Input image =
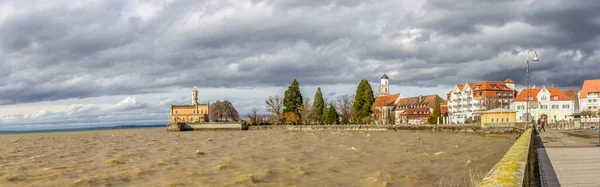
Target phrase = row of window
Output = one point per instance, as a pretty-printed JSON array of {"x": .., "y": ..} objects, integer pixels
[
  {"x": 195, "y": 112},
  {"x": 566, "y": 106},
  {"x": 592, "y": 107},
  {"x": 420, "y": 112},
  {"x": 521, "y": 117},
  {"x": 592, "y": 100},
  {"x": 500, "y": 120}
]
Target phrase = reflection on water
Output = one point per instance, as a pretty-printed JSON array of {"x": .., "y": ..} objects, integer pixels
[{"x": 139, "y": 157}]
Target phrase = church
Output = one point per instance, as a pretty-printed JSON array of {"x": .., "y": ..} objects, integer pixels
[
  {"x": 193, "y": 113},
  {"x": 395, "y": 108}
]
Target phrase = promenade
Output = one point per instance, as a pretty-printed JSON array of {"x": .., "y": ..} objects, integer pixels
[{"x": 569, "y": 158}]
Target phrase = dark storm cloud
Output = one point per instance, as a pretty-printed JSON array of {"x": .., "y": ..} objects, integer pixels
[{"x": 61, "y": 50}]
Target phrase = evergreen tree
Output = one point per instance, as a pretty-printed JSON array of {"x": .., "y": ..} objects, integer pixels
[
  {"x": 332, "y": 116},
  {"x": 292, "y": 100},
  {"x": 432, "y": 119},
  {"x": 318, "y": 106},
  {"x": 363, "y": 101}
]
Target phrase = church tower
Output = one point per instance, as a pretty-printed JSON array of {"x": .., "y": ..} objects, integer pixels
[
  {"x": 195, "y": 96},
  {"x": 384, "y": 87}
]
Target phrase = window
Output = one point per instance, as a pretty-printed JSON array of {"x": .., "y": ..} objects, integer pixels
[
  {"x": 480, "y": 93},
  {"x": 554, "y": 106},
  {"x": 530, "y": 98},
  {"x": 507, "y": 120},
  {"x": 565, "y": 116},
  {"x": 504, "y": 94},
  {"x": 498, "y": 93},
  {"x": 497, "y": 120},
  {"x": 555, "y": 97},
  {"x": 554, "y": 116},
  {"x": 477, "y": 86},
  {"x": 544, "y": 98},
  {"x": 492, "y": 120},
  {"x": 589, "y": 100},
  {"x": 594, "y": 107},
  {"x": 595, "y": 100},
  {"x": 544, "y": 107},
  {"x": 566, "y": 106},
  {"x": 494, "y": 86},
  {"x": 589, "y": 107},
  {"x": 502, "y": 119}
]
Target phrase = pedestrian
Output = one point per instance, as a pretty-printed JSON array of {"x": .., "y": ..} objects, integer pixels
[
  {"x": 542, "y": 125},
  {"x": 538, "y": 124}
]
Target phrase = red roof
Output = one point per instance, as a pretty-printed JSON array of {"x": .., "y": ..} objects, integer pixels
[
  {"x": 589, "y": 86},
  {"x": 444, "y": 110},
  {"x": 387, "y": 100},
  {"x": 508, "y": 80},
  {"x": 571, "y": 93},
  {"x": 534, "y": 91}
]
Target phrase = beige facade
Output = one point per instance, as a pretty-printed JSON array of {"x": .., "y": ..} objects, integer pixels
[{"x": 190, "y": 113}]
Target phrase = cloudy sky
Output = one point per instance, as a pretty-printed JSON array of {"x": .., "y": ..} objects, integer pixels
[{"x": 85, "y": 63}]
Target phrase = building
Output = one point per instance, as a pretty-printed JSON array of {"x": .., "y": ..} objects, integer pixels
[
  {"x": 416, "y": 110},
  {"x": 190, "y": 113},
  {"x": 588, "y": 97},
  {"x": 464, "y": 100},
  {"x": 384, "y": 102},
  {"x": 551, "y": 102},
  {"x": 497, "y": 115}
]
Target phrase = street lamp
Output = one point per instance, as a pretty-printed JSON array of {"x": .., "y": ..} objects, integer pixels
[{"x": 535, "y": 59}]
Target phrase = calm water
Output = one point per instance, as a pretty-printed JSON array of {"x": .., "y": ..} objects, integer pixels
[{"x": 154, "y": 157}]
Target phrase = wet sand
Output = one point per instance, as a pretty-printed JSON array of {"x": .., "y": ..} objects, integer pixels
[{"x": 154, "y": 157}]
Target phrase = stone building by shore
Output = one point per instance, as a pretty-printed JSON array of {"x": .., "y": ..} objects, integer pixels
[{"x": 195, "y": 112}]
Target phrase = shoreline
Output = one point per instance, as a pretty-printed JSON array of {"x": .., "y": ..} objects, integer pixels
[{"x": 80, "y": 129}]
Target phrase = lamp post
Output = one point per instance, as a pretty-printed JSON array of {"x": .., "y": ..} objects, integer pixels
[{"x": 535, "y": 59}]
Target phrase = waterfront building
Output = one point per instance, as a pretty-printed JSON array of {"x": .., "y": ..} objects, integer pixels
[
  {"x": 588, "y": 97},
  {"x": 464, "y": 100},
  {"x": 498, "y": 115},
  {"x": 550, "y": 103},
  {"x": 416, "y": 110},
  {"x": 384, "y": 102},
  {"x": 195, "y": 112}
]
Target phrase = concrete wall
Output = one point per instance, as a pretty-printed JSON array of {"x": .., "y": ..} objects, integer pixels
[
  {"x": 499, "y": 117},
  {"x": 206, "y": 126},
  {"x": 499, "y": 128},
  {"x": 514, "y": 169}
]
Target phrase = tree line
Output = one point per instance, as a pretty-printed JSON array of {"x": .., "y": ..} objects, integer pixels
[{"x": 294, "y": 109}]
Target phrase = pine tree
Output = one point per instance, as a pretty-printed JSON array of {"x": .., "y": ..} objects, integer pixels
[
  {"x": 292, "y": 100},
  {"x": 332, "y": 115},
  {"x": 432, "y": 119},
  {"x": 363, "y": 101},
  {"x": 318, "y": 106}
]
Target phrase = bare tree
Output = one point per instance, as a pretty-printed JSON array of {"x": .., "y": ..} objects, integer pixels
[
  {"x": 490, "y": 103},
  {"x": 223, "y": 111},
  {"x": 275, "y": 105},
  {"x": 306, "y": 111},
  {"x": 344, "y": 104}
]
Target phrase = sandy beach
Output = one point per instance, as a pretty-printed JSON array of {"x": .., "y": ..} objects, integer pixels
[{"x": 154, "y": 157}]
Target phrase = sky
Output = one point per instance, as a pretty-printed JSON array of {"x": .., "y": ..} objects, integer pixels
[{"x": 92, "y": 63}]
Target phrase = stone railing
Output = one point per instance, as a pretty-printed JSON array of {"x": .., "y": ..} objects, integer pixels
[{"x": 515, "y": 168}]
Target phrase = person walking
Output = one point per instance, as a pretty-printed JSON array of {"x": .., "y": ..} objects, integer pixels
[
  {"x": 538, "y": 124},
  {"x": 542, "y": 124}
]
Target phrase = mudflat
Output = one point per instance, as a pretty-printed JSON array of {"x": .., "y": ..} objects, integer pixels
[{"x": 154, "y": 157}]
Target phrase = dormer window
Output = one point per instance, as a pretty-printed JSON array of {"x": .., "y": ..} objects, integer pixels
[
  {"x": 477, "y": 86},
  {"x": 494, "y": 86},
  {"x": 555, "y": 97},
  {"x": 530, "y": 98}
]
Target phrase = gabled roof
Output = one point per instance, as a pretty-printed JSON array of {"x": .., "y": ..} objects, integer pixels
[
  {"x": 589, "y": 86},
  {"x": 571, "y": 93},
  {"x": 427, "y": 101},
  {"x": 387, "y": 100},
  {"x": 508, "y": 80},
  {"x": 533, "y": 92},
  {"x": 522, "y": 96}
]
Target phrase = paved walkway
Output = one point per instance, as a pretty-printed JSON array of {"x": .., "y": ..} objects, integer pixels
[{"x": 569, "y": 158}]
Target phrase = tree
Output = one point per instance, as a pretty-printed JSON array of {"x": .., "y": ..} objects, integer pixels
[
  {"x": 363, "y": 101},
  {"x": 318, "y": 106},
  {"x": 432, "y": 119},
  {"x": 307, "y": 112},
  {"x": 291, "y": 118},
  {"x": 490, "y": 103},
  {"x": 254, "y": 117},
  {"x": 274, "y": 105},
  {"x": 331, "y": 115},
  {"x": 223, "y": 111},
  {"x": 292, "y": 100},
  {"x": 344, "y": 104}
]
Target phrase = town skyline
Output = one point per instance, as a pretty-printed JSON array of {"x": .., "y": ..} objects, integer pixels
[{"x": 123, "y": 61}]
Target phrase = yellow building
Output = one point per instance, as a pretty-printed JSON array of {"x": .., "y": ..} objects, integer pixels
[
  {"x": 190, "y": 113},
  {"x": 498, "y": 115}
]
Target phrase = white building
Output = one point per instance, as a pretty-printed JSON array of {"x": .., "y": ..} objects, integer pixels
[
  {"x": 464, "y": 100},
  {"x": 588, "y": 97},
  {"x": 550, "y": 103}
]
